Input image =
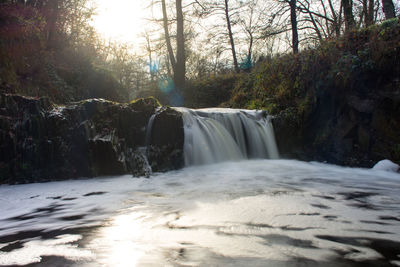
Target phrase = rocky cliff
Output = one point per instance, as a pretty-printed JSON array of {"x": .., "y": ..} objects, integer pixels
[
  {"x": 351, "y": 129},
  {"x": 40, "y": 141}
]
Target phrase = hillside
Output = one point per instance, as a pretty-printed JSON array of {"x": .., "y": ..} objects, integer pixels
[{"x": 339, "y": 102}]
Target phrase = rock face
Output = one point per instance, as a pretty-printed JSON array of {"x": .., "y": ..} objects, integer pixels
[
  {"x": 348, "y": 128},
  {"x": 165, "y": 147},
  {"x": 40, "y": 141}
]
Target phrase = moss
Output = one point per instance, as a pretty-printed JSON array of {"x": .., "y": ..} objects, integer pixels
[
  {"x": 210, "y": 91},
  {"x": 305, "y": 107},
  {"x": 390, "y": 23},
  {"x": 147, "y": 105},
  {"x": 146, "y": 101}
]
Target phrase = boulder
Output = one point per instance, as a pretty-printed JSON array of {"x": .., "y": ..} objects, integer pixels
[{"x": 40, "y": 141}]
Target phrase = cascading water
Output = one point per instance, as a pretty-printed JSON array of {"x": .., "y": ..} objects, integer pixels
[{"x": 216, "y": 134}]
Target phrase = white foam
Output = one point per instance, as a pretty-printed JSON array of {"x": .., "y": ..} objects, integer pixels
[
  {"x": 34, "y": 250},
  {"x": 386, "y": 165}
]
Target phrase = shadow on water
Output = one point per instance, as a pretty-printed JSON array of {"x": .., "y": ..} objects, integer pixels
[
  {"x": 389, "y": 218},
  {"x": 389, "y": 249},
  {"x": 94, "y": 193},
  {"x": 283, "y": 228},
  {"x": 43, "y": 234},
  {"x": 12, "y": 246},
  {"x": 39, "y": 212},
  {"x": 53, "y": 261},
  {"x": 360, "y": 199},
  {"x": 320, "y": 206},
  {"x": 180, "y": 256},
  {"x": 375, "y": 222}
]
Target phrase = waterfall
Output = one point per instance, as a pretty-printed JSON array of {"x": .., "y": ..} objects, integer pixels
[
  {"x": 149, "y": 127},
  {"x": 217, "y": 134}
]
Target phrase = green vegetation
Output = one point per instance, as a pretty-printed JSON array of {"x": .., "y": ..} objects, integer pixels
[
  {"x": 338, "y": 102},
  {"x": 363, "y": 62},
  {"x": 210, "y": 91}
]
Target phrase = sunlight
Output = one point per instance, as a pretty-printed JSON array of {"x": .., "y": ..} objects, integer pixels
[
  {"x": 121, "y": 20},
  {"x": 121, "y": 237}
]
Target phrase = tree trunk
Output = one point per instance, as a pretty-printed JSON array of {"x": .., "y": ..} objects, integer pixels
[
  {"x": 348, "y": 14},
  {"x": 180, "y": 68},
  {"x": 250, "y": 51},
  {"x": 228, "y": 24},
  {"x": 293, "y": 21},
  {"x": 336, "y": 23},
  {"x": 388, "y": 9},
  {"x": 167, "y": 36},
  {"x": 52, "y": 24},
  {"x": 369, "y": 18}
]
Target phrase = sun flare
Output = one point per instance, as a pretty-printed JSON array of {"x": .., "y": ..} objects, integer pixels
[{"x": 120, "y": 20}]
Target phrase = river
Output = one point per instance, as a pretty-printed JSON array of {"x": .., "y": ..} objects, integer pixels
[{"x": 244, "y": 213}]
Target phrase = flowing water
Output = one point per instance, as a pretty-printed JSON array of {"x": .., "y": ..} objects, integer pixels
[
  {"x": 245, "y": 212},
  {"x": 215, "y": 135}
]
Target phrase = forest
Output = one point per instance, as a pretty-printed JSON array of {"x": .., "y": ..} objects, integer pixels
[{"x": 193, "y": 53}]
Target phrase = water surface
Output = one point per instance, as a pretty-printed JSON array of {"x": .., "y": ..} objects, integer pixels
[{"x": 249, "y": 213}]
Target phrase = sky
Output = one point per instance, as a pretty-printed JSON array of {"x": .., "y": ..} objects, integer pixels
[{"x": 121, "y": 20}]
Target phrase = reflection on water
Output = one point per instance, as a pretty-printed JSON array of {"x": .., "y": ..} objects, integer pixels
[
  {"x": 253, "y": 213},
  {"x": 118, "y": 241}
]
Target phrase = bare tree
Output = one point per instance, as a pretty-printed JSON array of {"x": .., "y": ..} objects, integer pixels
[
  {"x": 179, "y": 63},
  {"x": 293, "y": 22},
  {"x": 149, "y": 50},
  {"x": 231, "y": 40},
  {"x": 368, "y": 9},
  {"x": 229, "y": 12},
  {"x": 180, "y": 67}
]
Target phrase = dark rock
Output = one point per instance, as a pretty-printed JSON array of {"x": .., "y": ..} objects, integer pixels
[
  {"x": 138, "y": 164},
  {"x": 105, "y": 158},
  {"x": 165, "y": 148},
  {"x": 343, "y": 129},
  {"x": 361, "y": 105},
  {"x": 41, "y": 142},
  {"x": 288, "y": 135}
]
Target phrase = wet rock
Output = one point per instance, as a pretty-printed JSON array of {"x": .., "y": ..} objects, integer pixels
[
  {"x": 347, "y": 128},
  {"x": 139, "y": 165},
  {"x": 289, "y": 135},
  {"x": 165, "y": 148},
  {"x": 41, "y": 142},
  {"x": 104, "y": 157}
]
